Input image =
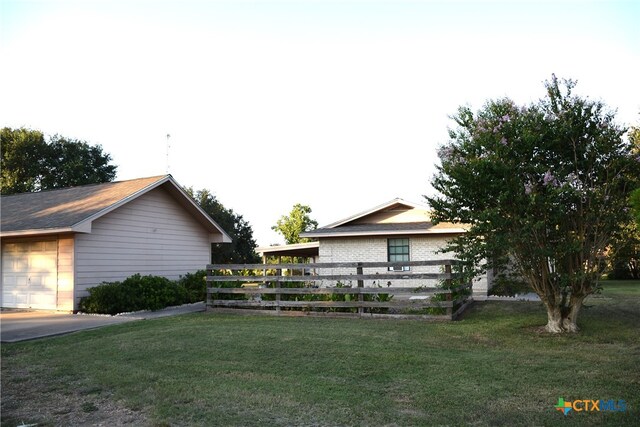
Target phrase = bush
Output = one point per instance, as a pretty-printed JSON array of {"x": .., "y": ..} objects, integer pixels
[
  {"x": 508, "y": 287},
  {"x": 195, "y": 284},
  {"x": 133, "y": 294}
]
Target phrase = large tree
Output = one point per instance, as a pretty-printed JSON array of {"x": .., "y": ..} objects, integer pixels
[
  {"x": 544, "y": 188},
  {"x": 31, "y": 163},
  {"x": 298, "y": 221},
  {"x": 242, "y": 249},
  {"x": 634, "y": 140}
]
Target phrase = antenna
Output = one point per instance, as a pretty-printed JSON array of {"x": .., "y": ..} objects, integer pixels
[{"x": 168, "y": 146}]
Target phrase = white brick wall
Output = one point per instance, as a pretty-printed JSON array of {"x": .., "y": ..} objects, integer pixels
[{"x": 374, "y": 249}]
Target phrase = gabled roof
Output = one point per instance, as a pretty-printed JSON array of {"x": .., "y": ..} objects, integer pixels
[
  {"x": 72, "y": 210},
  {"x": 368, "y": 223},
  {"x": 391, "y": 203}
]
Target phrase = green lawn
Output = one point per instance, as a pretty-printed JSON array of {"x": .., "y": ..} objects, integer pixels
[{"x": 492, "y": 367}]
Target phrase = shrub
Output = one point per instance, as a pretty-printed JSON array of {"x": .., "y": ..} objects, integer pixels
[
  {"x": 195, "y": 285},
  {"x": 504, "y": 286},
  {"x": 133, "y": 294}
]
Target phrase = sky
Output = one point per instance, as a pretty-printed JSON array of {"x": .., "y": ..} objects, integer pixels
[{"x": 339, "y": 105}]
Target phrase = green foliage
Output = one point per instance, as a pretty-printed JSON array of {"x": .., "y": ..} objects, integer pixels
[
  {"x": 195, "y": 285},
  {"x": 30, "y": 163},
  {"x": 297, "y": 222},
  {"x": 509, "y": 287},
  {"x": 229, "y": 284},
  {"x": 342, "y": 297},
  {"x": 242, "y": 248},
  {"x": 133, "y": 294},
  {"x": 23, "y": 163},
  {"x": 381, "y": 297},
  {"x": 543, "y": 187},
  {"x": 624, "y": 254},
  {"x": 634, "y": 201}
]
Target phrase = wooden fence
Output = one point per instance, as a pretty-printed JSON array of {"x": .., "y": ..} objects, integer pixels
[{"x": 269, "y": 291}]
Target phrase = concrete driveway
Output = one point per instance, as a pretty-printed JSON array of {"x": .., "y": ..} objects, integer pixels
[{"x": 22, "y": 325}]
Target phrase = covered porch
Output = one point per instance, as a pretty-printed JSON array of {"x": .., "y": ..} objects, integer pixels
[{"x": 298, "y": 253}]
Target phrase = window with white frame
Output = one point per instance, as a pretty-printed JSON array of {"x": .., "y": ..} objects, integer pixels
[{"x": 398, "y": 251}]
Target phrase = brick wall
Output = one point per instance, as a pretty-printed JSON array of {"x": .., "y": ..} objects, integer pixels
[{"x": 374, "y": 249}]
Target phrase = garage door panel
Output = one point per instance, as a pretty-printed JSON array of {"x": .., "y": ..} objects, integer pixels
[
  {"x": 42, "y": 263},
  {"x": 19, "y": 281},
  {"x": 49, "y": 282},
  {"x": 9, "y": 281},
  {"x": 15, "y": 263},
  {"x": 51, "y": 246},
  {"x": 15, "y": 248},
  {"x": 44, "y": 300},
  {"x": 8, "y": 299}
]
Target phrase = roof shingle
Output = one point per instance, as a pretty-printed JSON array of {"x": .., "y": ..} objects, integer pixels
[{"x": 64, "y": 208}]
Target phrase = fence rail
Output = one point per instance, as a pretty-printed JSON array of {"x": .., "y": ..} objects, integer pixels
[{"x": 264, "y": 294}]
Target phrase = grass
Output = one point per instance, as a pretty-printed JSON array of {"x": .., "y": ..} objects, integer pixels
[{"x": 493, "y": 367}]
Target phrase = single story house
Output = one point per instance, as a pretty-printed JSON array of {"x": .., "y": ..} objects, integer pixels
[
  {"x": 391, "y": 232},
  {"x": 58, "y": 243}
]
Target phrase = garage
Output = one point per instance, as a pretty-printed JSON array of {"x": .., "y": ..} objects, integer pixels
[
  {"x": 57, "y": 244},
  {"x": 30, "y": 274}
]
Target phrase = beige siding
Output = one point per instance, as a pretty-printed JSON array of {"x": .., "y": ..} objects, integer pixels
[
  {"x": 65, "y": 273},
  {"x": 400, "y": 215},
  {"x": 373, "y": 249},
  {"x": 149, "y": 235}
]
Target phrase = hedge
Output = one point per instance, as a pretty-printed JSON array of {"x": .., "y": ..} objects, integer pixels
[{"x": 138, "y": 292}]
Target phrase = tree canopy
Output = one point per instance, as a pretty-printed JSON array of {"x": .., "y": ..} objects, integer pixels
[
  {"x": 32, "y": 163},
  {"x": 298, "y": 221},
  {"x": 242, "y": 248},
  {"x": 634, "y": 140},
  {"x": 544, "y": 188}
]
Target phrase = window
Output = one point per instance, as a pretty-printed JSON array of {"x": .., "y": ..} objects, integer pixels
[{"x": 397, "y": 251}]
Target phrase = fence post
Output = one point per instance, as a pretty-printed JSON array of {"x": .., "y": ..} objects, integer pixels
[
  {"x": 447, "y": 285},
  {"x": 208, "y": 303},
  {"x": 278, "y": 274},
  {"x": 360, "y": 285}
]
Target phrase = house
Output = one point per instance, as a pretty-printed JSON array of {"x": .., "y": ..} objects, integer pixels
[
  {"x": 395, "y": 231},
  {"x": 58, "y": 243}
]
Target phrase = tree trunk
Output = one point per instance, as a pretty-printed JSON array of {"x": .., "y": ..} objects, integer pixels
[
  {"x": 564, "y": 319},
  {"x": 569, "y": 321},
  {"x": 554, "y": 320}
]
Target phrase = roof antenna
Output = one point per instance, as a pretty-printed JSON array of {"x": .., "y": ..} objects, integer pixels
[{"x": 168, "y": 145}]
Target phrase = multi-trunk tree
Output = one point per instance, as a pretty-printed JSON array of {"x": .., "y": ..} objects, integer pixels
[{"x": 544, "y": 188}]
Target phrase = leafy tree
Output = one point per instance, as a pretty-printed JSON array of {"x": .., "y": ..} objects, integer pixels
[
  {"x": 634, "y": 140},
  {"x": 634, "y": 200},
  {"x": 544, "y": 188},
  {"x": 297, "y": 222},
  {"x": 23, "y": 162},
  {"x": 242, "y": 248},
  {"x": 72, "y": 162},
  {"x": 30, "y": 163},
  {"x": 624, "y": 254}
]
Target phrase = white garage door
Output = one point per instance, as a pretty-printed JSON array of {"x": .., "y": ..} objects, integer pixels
[{"x": 30, "y": 274}]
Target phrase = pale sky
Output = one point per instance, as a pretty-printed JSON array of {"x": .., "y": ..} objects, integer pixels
[{"x": 339, "y": 105}]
